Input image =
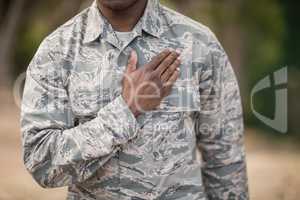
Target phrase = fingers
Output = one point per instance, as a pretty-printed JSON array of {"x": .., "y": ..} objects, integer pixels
[
  {"x": 132, "y": 62},
  {"x": 174, "y": 77},
  {"x": 169, "y": 84},
  {"x": 156, "y": 60},
  {"x": 170, "y": 70},
  {"x": 166, "y": 63}
]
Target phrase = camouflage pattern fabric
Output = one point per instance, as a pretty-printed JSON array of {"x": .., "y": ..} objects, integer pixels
[{"x": 77, "y": 130}]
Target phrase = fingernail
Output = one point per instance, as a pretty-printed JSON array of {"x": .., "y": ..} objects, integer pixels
[
  {"x": 166, "y": 51},
  {"x": 178, "y": 51}
]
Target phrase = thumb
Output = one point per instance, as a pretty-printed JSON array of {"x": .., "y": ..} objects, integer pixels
[{"x": 132, "y": 62}]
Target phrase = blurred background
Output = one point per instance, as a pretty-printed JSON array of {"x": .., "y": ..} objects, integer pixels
[{"x": 260, "y": 37}]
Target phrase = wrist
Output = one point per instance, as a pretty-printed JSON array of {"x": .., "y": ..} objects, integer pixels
[
  {"x": 131, "y": 106},
  {"x": 135, "y": 111}
]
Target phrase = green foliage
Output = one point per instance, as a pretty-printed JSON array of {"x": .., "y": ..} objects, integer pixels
[
  {"x": 269, "y": 39},
  {"x": 264, "y": 28}
]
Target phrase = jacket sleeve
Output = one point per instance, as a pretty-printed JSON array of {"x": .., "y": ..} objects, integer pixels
[
  {"x": 56, "y": 152},
  {"x": 219, "y": 128}
]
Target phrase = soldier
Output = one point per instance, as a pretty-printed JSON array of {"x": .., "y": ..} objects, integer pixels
[{"x": 118, "y": 100}]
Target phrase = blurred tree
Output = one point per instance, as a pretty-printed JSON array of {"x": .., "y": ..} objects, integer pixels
[
  {"x": 259, "y": 36},
  {"x": 21, "y": 29},
  {"x": 43, "y": 20},
  {"x": 10, "y": 17},
  {"x": 291, "y": 52},
  {"x": 292, "y": 31}
]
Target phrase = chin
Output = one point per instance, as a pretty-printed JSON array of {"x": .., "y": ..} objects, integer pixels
[{"x": 117, "y": 4}]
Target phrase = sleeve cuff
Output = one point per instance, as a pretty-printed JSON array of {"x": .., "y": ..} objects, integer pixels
[{"x": 121, "y": 120}]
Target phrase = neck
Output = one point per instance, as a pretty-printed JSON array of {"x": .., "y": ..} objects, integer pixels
[{"x": 124, "y": 20}]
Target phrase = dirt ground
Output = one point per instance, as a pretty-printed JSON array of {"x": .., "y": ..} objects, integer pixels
[{"x": 273, "y": 169}]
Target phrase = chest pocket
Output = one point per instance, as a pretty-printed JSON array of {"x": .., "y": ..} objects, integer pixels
[
  {"x": 185, "y": 96},
  {"x": 92, "y": 88}
]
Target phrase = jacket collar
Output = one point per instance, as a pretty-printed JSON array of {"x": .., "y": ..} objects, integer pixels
[{"x": 98, "y": 26}]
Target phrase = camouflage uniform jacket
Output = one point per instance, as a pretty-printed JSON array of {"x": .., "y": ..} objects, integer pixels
[{"x": 77, "y": 131}]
